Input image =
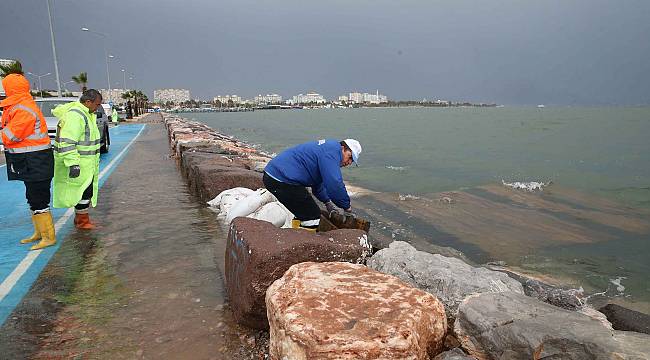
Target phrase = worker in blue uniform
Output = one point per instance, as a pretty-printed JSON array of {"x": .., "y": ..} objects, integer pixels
[{"x": 315, "y": 164}]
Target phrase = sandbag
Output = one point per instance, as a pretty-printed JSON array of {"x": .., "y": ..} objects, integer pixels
[
  {"x": 258, "y": 204},
  {"x": 248, "y": 205},
  {"x": 272, "y": 212},
  {"x": 238, "y": 191}
]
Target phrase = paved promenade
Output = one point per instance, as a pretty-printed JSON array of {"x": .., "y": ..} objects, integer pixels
[
  {"x": 20, "y": 267},
  {"x": 146, "y": 283}
]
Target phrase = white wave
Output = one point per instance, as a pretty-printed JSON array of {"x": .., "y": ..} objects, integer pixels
[
  {"x": 617, "y": 282},
  {"x": 407, "y": 197},
  {"x": 528, "y": 186},
  {"x": 396, "y": 168}
]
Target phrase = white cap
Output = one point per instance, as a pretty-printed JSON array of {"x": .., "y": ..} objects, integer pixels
[{"x": 355, "y": 146}]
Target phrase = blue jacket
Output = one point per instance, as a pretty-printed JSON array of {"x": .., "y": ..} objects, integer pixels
[{"x": 316, "y": 164}]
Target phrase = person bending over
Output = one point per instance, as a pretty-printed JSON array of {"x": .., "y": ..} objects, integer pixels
[{"x": 315, "y": 164}]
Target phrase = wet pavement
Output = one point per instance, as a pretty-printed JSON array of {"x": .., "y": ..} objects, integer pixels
[{"x": 146, "y": 284}]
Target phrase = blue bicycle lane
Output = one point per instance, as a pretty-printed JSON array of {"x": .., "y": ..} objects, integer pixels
[{"x": 19, "y": 267}]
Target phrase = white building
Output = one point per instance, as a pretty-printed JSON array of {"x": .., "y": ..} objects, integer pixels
[
  {"x": 309, "y": 98},
  {"x": 115, "y": 95},
  {"x": 267, "y": 99},
  {"x": 355, "y": 97},
  {"x": 174, "y": 95},
  {"x": 343, "y": 98},
  {"x": 365, "y": 98},
  {"x": 224, "y": 99}
]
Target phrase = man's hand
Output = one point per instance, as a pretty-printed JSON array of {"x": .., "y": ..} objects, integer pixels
[
  {"x": 348, "y": 213},
  {"x": 330, "y": 208},
  {"x": 75, "y": 170}
]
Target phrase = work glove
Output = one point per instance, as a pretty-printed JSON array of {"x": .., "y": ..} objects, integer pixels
[
  {"x": 330, "y": 207},
  {"x": 75, "y": 170},
  {"x": 349, "y": 214}
]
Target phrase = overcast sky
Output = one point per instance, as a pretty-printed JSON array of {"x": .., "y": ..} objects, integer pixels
[{"x": 586, "y": 52}]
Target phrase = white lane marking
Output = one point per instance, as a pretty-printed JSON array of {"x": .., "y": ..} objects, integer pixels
[
  {"x": 24, "y": 265},
  {"x": 20, "y": 270}
]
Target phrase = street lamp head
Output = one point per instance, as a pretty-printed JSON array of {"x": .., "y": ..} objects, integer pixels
[
  {"x": 85, "y": 29},
  {"x": 32, "y": 74},
  {"x": 110, "y": 56}
]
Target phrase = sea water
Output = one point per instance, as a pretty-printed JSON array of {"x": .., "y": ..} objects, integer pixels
[{"x": 601, "y": 152}]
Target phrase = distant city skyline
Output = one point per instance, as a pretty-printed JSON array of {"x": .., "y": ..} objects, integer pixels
[
  {"x": 581, "y": 52},
  {"x": 182, "y": 95}
]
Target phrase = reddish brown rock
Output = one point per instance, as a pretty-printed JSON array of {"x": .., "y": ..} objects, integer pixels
[
  {"x": 208, "y": 174},
  {"x": 348, "y": 311},
  {"x": 214, "y": 179},
  {"x": 258, "y": 253}
]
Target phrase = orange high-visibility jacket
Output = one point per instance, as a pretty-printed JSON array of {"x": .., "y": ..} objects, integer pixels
[{"x": 23, "y": 126}]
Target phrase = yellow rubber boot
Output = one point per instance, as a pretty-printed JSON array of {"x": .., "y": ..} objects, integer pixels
[
  {"x": 46, "y": 227},
  {"x": 309, "y": 229},
  {"x": 295, "y": 224},
  {"x": 37, "y": 233}
]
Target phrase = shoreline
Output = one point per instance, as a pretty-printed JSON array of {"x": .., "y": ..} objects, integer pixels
[
  {"x": 213, "y": 162},
  {"x": 565, "y": 281}
]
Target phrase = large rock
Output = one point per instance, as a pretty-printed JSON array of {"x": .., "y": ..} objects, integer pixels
[
  {"x": 191, "y": 161},
  {"x": 455, "y": 354},
  {"x": 258, "y": 253},
  {"x": 449, "y": 279},
  {"x": 348, "y": 311},
  {"x": 514, "y": 326},
  {"x": 626, "y": 319},
  {"x": 209, "y": 174},
  {"x": 570, "y": 299}
]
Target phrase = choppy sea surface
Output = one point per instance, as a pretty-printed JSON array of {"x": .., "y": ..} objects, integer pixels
[{"x": 603, "y": 153}]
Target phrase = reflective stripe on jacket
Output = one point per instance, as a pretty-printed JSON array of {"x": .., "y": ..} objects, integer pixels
[
  {"x": 77, "y": 142},
  {"x": 24, "y": 128}
]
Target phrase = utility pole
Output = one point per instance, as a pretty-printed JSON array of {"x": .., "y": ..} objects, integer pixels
[{"x": 56, "y": 63}]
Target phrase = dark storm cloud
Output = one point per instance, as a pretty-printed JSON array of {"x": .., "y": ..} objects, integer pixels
[{"x": 513, "y": 52}]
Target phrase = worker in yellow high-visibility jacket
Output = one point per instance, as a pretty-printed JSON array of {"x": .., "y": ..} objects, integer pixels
[{"x": 76, "y": 157}]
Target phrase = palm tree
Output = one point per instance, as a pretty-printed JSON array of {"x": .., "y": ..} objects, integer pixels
[
  {"x": 14, "y": 67},
  {"x": 81, "y": 79},
  {"x": 128, "y": 95},
  {"x": 139, "y": 100}
]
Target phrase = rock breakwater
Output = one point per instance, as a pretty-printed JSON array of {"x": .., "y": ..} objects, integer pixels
[{"x": 488, "y": 312}]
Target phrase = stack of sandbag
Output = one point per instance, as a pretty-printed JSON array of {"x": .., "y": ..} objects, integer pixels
[{"x": 257, "y": 204}]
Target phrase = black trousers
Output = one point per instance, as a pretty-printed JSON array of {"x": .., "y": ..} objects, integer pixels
[
  {"x": 84, "y": 203},
  {"x": 296, "y": 198},
  {"x": 38, "y": 194}
]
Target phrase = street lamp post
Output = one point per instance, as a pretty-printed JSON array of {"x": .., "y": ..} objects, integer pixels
[
  {"x": 106, "y": 55},
  {"x": 124, "y": 75},
  {"x": 39, "y": 80},
  {"x": 64, "y": 85}
]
